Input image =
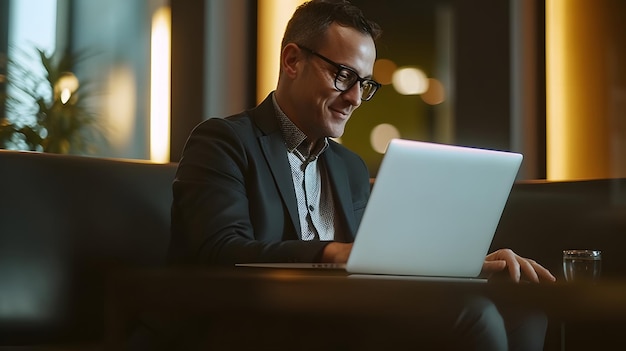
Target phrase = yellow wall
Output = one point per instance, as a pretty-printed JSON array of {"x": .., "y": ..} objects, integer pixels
[{"x": 585, "y": 130}]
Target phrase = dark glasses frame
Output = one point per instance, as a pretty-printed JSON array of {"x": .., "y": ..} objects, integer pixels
[{"x": 344, "y": 74}]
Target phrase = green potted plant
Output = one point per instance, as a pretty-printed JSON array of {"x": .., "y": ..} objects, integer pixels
[{"x": 48, "y": 113}]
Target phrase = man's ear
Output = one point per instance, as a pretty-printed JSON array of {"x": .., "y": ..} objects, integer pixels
[{"x": 290, "y": 58}]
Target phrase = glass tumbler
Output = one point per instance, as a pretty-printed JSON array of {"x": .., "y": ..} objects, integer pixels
[{"x": 582, "y": 265}]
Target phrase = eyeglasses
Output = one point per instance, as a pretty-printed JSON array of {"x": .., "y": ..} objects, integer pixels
[{"x": 346, "y": 77}]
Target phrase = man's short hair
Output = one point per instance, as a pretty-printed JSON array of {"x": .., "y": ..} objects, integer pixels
[{"x": 311, "y": 20}]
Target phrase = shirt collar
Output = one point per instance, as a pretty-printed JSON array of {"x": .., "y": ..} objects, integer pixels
[{"x": 294, "y": 137}]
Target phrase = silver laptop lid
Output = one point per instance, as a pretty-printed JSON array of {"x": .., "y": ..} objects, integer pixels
[{"x": 433, "y": 210}]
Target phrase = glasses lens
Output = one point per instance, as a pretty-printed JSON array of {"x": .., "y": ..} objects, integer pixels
[
  {"x": 368, "y": 88},
  {"x": 345, "y": 79}
]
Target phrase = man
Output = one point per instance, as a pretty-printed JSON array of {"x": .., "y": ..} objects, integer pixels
[
  {"x": 234, "y": 195},
  {"x": 268, "y": 185}
]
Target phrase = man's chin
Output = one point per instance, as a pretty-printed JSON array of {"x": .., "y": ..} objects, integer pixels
[
  {"x": 336, "y": 132},
  {"x": 335, "y": 135}
]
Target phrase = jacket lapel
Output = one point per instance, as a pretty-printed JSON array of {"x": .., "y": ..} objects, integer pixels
[{"x": 273, "y": 147}]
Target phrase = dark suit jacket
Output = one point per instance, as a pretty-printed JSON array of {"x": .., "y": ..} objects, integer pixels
[{"x": 234, "y": 199}]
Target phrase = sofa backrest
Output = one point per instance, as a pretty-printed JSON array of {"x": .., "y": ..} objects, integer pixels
[
  {"x": 65, "y": 223},
  {"x": 541, "y": 219}
]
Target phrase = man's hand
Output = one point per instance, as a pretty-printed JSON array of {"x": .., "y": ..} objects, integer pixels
[
  {"x": 336, "y": 252},
  {"x": 518, "y": 268}
]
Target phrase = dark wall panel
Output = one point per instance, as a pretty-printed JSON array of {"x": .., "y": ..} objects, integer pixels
[
  {"x": 187, "y": 71},
  {"x": 482, "y": 73}
]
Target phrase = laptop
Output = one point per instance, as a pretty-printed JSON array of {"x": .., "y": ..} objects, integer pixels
[{"x": 433, "y": 212}]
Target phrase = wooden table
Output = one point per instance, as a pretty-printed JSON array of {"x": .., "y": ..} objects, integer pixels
[{"x": 329, "y": 307}]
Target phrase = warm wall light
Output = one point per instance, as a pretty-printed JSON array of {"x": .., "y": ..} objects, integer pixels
[
  {"x": 555, "y": 103},
  {"x": 578, "y": 129},
  {"x": 273, "y": 16},
  {"x": 160, "y": 68}
]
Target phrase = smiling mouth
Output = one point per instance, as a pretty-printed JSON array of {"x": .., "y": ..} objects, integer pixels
[{"x": 341, "y": 114}]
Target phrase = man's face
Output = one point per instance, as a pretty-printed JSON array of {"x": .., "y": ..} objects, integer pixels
[{"x": 321, "y": 110}]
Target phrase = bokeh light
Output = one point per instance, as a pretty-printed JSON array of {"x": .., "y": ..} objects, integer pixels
[
  {"x": 410, "y": 81},
  {"x": 381, "y": 136},
  {"x": 383, "y": 71},
  {"x": 435, "y": 94},
  {"x": 65, "y": 86}
]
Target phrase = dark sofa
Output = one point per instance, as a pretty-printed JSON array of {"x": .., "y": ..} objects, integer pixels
[
  {"x": 67, "y": 222},
  {"x": 541, "y": 219}
]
